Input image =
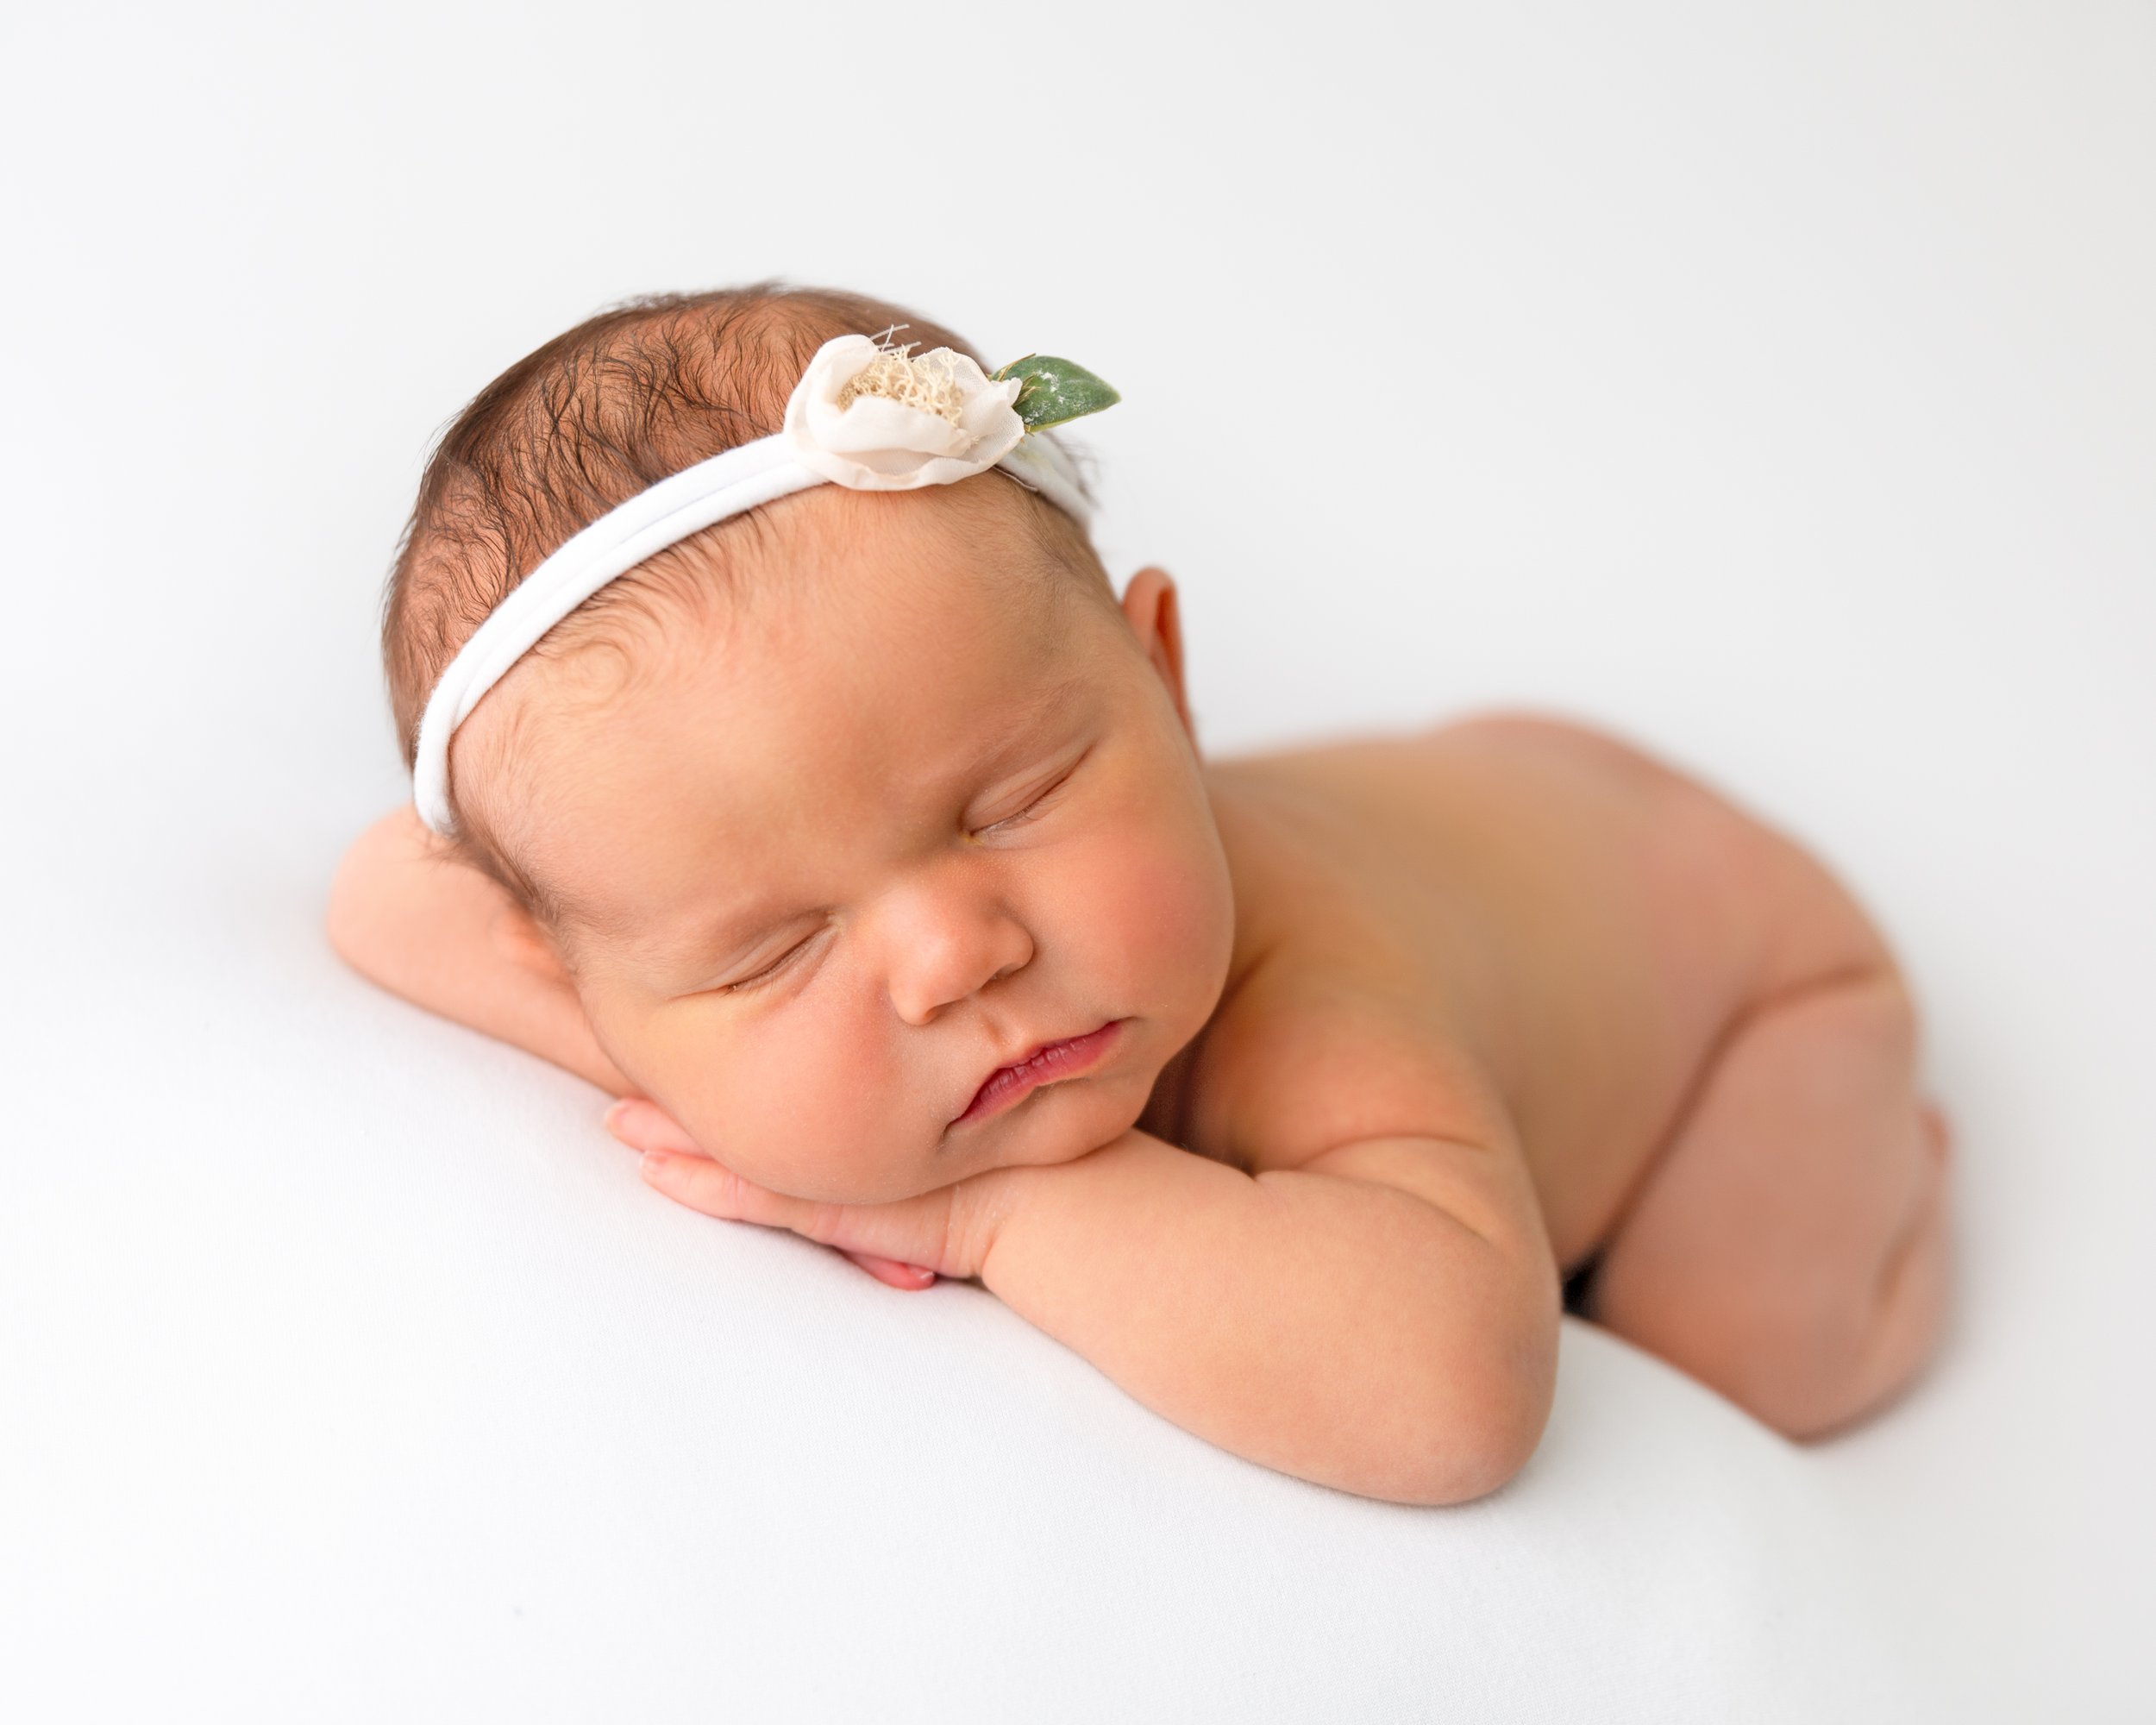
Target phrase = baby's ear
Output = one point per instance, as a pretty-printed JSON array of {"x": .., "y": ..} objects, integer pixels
[
  {"x": 520, "y": 939},
  {"x": 1150, "y": 607}
]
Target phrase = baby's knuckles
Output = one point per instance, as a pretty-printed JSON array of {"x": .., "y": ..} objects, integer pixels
[
  {"x": 947, "y": 1231},
  {"x": 951, "y": 1230}
]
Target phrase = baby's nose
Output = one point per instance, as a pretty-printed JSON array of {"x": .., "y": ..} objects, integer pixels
[{"x": 946, "y": 953}]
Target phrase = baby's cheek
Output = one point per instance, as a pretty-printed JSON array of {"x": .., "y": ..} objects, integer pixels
[
  {"x": 1155, "y": 914},
  {"x": 798, "y": 1103}
]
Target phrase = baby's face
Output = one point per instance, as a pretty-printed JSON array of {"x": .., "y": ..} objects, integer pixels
[{"x": 917, "y": 808}]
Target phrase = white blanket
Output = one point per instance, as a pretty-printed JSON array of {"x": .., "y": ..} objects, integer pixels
[{"x": 1774, "y": 393}]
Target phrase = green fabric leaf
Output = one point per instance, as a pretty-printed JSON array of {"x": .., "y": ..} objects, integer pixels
[{"x": 1054, "y": 391}]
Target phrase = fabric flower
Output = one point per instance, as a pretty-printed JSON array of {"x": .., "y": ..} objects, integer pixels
[{"x": 874, "y": 419}]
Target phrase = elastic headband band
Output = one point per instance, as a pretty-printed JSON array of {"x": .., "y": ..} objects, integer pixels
[{"x": 862, "y": 416}]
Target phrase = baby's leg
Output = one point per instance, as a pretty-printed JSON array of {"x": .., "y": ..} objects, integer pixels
[{"x": 1790, "y": 1247}]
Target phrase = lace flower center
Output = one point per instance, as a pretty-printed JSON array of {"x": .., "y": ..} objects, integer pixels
[{"x": 926, "y": 383}]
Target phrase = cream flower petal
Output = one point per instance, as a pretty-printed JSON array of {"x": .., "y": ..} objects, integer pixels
[
  {"x": 871, "y": 422},
  {"x": 876, "y": 443}
]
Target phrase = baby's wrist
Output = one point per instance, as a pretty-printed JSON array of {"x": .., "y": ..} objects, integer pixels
[
  {"x": 986, "y": 1203},
  {"x": 1005, "y": 1196}
]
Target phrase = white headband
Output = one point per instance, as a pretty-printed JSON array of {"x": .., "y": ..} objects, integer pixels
[{"x": 863, "y": 416}]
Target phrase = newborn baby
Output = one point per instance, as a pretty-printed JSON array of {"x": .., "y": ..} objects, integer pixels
[{"x": 863, "y": 843}]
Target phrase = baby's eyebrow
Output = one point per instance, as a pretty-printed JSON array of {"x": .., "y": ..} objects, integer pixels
[{"x": 1022, "y": 724}]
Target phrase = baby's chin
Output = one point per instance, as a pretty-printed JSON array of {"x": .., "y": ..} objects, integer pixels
[{"x": 955, "y": 1162}]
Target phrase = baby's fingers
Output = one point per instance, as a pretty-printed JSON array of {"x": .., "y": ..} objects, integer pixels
[
  {"x": 881, "y": 1238},
  {"x": 703, "y": 1184},
  {"x": 642, "y": 1123},
  {"x": 888, "y": 1271},
  {"x": 717, "y": 1190}
]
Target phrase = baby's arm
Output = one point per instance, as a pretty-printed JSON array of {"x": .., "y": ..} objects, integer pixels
[
  {"x": 1381, "y": 1318},
  {"x": 444, "y": 936}
]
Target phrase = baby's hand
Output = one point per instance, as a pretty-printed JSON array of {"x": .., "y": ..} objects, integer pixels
[{"x": 906, "y": 1245}]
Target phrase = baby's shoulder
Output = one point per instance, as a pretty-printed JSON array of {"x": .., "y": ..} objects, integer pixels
[
  {"x": 1348, "y": 1024},
  {"x": 1314, "y": 1053}
]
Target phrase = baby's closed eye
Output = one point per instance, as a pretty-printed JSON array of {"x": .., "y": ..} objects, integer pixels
[
  {"x": 747, "y": 983},
  {"x": 1040, "y": 803}
]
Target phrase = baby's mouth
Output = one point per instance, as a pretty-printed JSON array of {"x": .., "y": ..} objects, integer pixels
[{"x": 1006, "y": 1086}]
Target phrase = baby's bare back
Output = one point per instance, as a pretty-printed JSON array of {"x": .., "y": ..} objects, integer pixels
[{"x": 1532, "y": 916}]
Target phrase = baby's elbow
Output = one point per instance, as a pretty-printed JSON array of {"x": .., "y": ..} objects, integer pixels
[
  {"x": 355, "y": 918},
  {"x": 1489, "y": 1413},
  {"x": 345, "y": 920},
  {"x": 358, "y": 913},
  {"x": 1495, "y": 1437}
]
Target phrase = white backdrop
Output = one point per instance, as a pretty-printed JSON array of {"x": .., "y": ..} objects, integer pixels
[{"x": 1770, "y": 385}]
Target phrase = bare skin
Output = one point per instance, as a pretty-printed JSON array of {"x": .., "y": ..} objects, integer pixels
[
  {"x": 1707, "y": 1049},
  {"x": 1487, "y": 1002}
]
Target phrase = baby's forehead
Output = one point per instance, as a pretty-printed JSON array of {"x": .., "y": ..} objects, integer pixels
[
  {"x": 793, "y": 804},
  {"x": 883, "y": 712},
  {"x": 942, "y": 577},
  {"x": 879, "y": 644}
]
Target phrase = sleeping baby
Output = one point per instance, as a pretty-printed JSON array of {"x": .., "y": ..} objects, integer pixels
[{"x": 785, "y": 763}]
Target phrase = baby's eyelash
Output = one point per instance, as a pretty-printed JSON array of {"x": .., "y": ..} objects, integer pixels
[
  {"x": 748, "y": 983},
  {"x": 1034, "y": 807}
]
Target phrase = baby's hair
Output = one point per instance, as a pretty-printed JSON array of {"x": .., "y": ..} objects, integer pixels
[{"x": 582, "y": 424}]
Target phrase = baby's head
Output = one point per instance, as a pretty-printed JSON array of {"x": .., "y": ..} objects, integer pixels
[{"x": 830, "y": 809}]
